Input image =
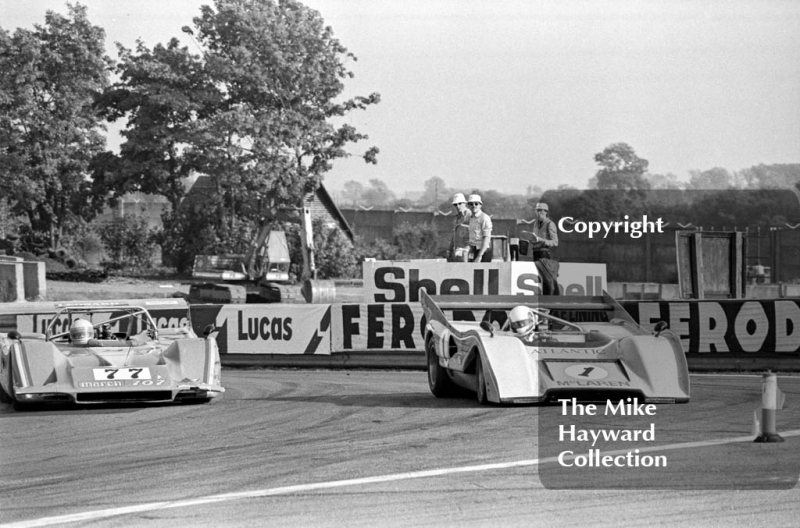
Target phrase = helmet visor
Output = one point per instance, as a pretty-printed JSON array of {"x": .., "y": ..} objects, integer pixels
[{"x": 519, "y": 325}]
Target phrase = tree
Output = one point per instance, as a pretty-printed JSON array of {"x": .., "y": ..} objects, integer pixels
[
  {"x": 49, "y": 130},
  {"x": 160, "y": 92},
  {"x": 353, "y": 192},
  {"x": 267, "y": 139},
  {"x": 258, "y": 119},
  {"x": 778, "y": 176},
  {"x": 620, "y": 168},
  {"x": 716, "y": 178},
  {"x": 378, "y": 194},
  {"x": 435, "y": 191},
  {"x": 666, "y": 181}
]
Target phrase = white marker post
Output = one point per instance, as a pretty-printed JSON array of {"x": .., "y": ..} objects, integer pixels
[{"x": 769, "y": 407}]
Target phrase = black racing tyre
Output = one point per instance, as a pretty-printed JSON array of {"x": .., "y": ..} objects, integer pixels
[
  {"x": 440, "y": 383},
  {"x": 4, "y": 397},
  {"x": 480, "y": 377},
  {"x": 18, "y": 405}
]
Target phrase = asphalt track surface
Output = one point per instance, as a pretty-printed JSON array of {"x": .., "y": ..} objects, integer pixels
[{"x": 375, "y": 448}]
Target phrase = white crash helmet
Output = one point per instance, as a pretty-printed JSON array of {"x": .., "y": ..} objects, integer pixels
[
  {"x": 522, "y": 320},
  {"x": 81, "y": 331}
]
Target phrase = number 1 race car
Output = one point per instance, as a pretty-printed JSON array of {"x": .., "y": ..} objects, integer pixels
[
  {"x": 607, "y": 358},
  {"x": 112, "y": 353}
]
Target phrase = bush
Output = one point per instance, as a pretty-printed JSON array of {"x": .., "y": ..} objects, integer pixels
[
  {"x": 129, "y": 242},
  {"x": 85, "y": 244},
  {"x": 190, "y": 231},
  {"x": 334, "y": 255}
]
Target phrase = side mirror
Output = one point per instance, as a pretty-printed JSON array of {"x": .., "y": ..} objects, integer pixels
[
  {"x": 208, "y": 329},
  {"x": 487, "y": 326},
  {"x": 660, "y": 327},
  {"x": 14, "y": 335}
]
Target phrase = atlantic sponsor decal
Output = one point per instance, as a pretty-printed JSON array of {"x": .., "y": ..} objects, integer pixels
[
  {"x": 729, "y": 327},
  {"x": 400, "y": 282}
]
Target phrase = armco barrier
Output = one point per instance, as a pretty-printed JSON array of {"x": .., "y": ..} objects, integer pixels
[
  {"x": 34, "y": 317},
  {"x": 717, "y": 335}
]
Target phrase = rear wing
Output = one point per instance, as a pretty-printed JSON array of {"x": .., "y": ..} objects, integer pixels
[{"x": 569, "y": 307}]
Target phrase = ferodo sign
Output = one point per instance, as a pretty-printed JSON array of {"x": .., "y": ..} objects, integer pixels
[
  {"x": 729, "y": 327},
  {"x": 267, "y": 328},
  {"x": 400, "y": 282},
  {"x": 385, "y": 326}
]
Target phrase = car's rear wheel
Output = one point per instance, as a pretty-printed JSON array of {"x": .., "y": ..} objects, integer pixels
[
  {"x": 18, "y": 405},
  {"x": 4, "y": 397},
  {"x": 440, "y": 383},
  {"x": 480, "y": 376}
]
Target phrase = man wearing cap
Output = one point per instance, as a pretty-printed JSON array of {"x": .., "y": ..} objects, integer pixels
[
  {"x": 480, "y": 231},
  {"x": 544, "y": 237},
  {"x": 459, "y": 246}
]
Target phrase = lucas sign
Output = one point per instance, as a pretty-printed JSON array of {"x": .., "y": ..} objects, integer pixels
[{"x": 400, "y": 282}]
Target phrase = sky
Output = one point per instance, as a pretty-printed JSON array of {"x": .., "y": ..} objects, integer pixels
[{"x": 506, "y": 94}]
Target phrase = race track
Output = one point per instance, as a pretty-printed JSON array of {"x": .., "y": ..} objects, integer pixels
[{"x": 375, "y": 448}]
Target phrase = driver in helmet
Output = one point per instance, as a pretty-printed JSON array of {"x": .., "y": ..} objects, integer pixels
[
  {"x": 81, "y": 332},
  {"x": 523, "y": 321}
]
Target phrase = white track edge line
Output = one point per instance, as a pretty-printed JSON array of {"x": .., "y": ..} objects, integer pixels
[{"x": 112, "y": 512}]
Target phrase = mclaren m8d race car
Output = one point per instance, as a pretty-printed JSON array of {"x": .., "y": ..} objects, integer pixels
[
  {"x": 526, "y": 349},
  {"x": 110, "y": 353}
]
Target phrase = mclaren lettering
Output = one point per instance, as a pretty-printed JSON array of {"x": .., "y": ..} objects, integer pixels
[{"x": 593, "y": 383}]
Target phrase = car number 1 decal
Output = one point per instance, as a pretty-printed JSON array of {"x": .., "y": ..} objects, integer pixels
[
  {"x": 121, "y": 373},
  {"x": 586, "y": 372}
]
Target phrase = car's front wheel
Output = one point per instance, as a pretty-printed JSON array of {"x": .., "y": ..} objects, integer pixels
[
  {"x": 440, "y": 383},
  {"x": 480, "y": 376}
]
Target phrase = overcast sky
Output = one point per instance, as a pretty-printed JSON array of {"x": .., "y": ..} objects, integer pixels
[{"x": 503, "y": 94}]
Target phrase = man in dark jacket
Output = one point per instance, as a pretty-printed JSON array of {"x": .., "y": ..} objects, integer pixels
[{"x": 544, "y": 237}]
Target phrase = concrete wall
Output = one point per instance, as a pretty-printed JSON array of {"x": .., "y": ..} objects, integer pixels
[{"x": 21, "y": 280}]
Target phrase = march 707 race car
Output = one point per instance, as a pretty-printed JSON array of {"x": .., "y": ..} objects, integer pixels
[
  {"x": 112, "y": 353},
  {"x": 607, "y": 358}
]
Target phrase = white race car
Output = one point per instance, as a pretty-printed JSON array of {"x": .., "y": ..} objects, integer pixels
[
  {"x": 118, "y": 356},
  {"x": 609, "y": 357}
]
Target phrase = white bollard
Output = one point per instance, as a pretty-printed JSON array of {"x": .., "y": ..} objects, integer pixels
[{"x": 769, "y": 408}]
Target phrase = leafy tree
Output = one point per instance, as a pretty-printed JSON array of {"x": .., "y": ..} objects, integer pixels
[
  {"x": 49, "y": 130},
  {"x": 620, "y": 169},
  {"x": 352, "y": 193},
  {"x": 666, "y": 181},
  {"x": 435, "y": 191},
  {"x": 716, "y": 178},
  {"x": 254, "y": 111},
  {"x": 378, "y": 194},
  {"x": 279, "y": 71},
  {"x": 129, "y": 242},
  {"x": 160, "y": 92},
  {"x": 778, "y": 176}
]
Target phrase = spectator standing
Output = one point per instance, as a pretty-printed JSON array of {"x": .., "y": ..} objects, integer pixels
[
  {"x": 480, "y": 231},
  {"x": 459, "y": 246},
  {"x": 544, "y": 237}
]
